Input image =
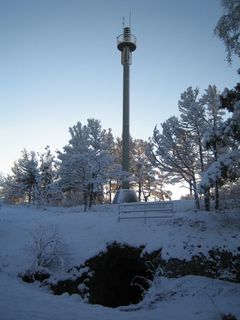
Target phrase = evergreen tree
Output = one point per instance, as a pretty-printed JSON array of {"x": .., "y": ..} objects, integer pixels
[
  {"x": 86, "y": 161},
  {"x": 193, "y": 120},
  {"x": 212, "y": 140},
  {"x": 227, "y": 166},
  {"x": 228, "y": 27},
  {"x": 147, "y": 178},
  {"x": 10, "y": 190},
  {"x": 25, "y": 179},
  {"x": 47, "y": 170},
  {"x": 174, "y": 152}
]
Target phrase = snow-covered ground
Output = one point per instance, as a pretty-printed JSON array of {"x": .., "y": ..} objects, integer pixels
[{"x": 86, "y": 234}]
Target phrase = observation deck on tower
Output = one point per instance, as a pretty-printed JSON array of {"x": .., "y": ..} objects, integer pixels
[{"x": 126, "y": 40}]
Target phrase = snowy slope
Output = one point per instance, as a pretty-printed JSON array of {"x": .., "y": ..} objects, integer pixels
[{"x": 86, "y": 234}]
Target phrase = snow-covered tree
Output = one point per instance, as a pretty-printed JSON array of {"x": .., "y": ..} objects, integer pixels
[
  {"x": 47, "y": 192},
  {"x": 47, "y": 168},
  {"x": 10, "y": 190},
  {"x": 147, "y": 178},
  {"x": 86, "y": 160},
  {"x": 115, "y": 175},
  {"x": 34, "y": 179},
  {"x": 212, "y": 135},
  {"x": 193, "y": 120},
  {"x": 159, "y": 191},
  {"x": 24, "y": 182},
  {"x": 227, "y": 166},
  {"x": 174, "y": 152},
  {"x": 230, "y": 100},
  {"x": 188, "y": 145},
  {"x": 228, "y": 27}
]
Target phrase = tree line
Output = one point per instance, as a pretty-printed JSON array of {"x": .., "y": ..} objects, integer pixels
[
  {"x": 87, "y": 171},
  {"x": 200, "y": 148}
]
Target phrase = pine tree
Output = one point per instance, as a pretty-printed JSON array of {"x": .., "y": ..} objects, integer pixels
[
  {"x": 25, "y": 179},
  {"x": 174, "y": 152},
  {"x": 47, "y": 170},
  {"x": 147, "y": 178},
  {"x": 86, "y": 161},
  {"x": 228, "y": 27},
  {"x": 10, "y": 190},
  {"x": 193, "y": 119},
  {"x": 211, "y": 139},
  {"x": 227, "y": 166}
]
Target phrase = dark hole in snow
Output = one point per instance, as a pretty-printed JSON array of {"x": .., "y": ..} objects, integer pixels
[
  {"x": 116, "y": 277},
  {"x": 113, "y": 273}
]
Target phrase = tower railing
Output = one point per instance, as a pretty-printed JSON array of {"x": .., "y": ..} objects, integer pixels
[{"x": 122, "y": 39}]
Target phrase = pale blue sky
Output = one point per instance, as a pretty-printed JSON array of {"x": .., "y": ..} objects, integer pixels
[{"x": 60, "y": 64}]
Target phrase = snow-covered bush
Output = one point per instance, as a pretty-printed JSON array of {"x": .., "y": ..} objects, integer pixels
[{"x": 47, "y": 249}]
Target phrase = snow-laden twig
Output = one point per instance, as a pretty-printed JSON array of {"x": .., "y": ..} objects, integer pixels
[{"x": 154, "y": 281}]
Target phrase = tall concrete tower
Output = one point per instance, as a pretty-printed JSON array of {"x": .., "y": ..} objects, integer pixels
[{"x": 126, "y": 43}]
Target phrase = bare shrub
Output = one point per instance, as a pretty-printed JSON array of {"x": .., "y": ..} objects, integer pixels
[
  {"x": 153, "y": 282},
  {"x": 47, "y": 248}
]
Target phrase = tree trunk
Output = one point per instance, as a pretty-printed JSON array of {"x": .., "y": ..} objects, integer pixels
[
  {"x": 190, "y": 189},
  {"x": 91, "y": 197},
  {"x": 217, "y": 182},
  {"x": 29, "y": 196},
  {"x": 207, "y": 200},
  {"x": 85, "y": 199},
  {"x": 139, "y": 190},
  {"x": 110, "y": 191},
  {"x": 216, "y": 196},
  {"x": 196, "y": 197}
]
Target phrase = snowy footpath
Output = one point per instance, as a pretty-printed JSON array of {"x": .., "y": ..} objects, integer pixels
[{"x": 86, "y": 234}]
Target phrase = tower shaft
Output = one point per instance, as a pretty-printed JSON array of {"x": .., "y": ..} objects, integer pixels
[
  {"x": 126, "y": 121},
  {"x": 126, "y": 44}
]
